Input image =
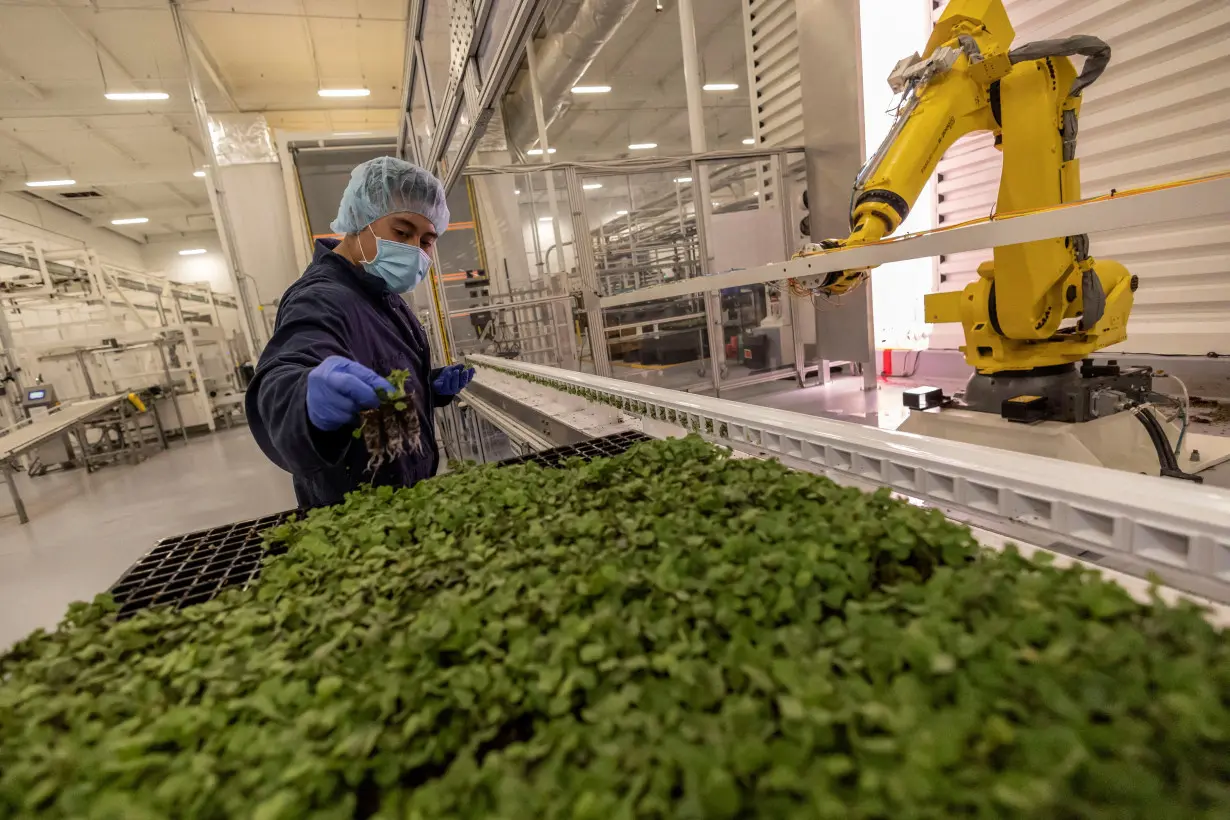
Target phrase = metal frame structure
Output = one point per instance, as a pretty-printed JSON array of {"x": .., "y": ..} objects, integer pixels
[
  {"x": 586, "y": 276},
  {"x": 1126, "y": 209},
  {"x": 467, "y": 93},
  {"x": 1177, "y": 530},
  {"x": 111, "y": 414},
  {"x": 138, "y": 311}
]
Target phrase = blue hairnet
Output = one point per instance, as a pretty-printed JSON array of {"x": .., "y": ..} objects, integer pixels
[{"x": 387, "y": 185}]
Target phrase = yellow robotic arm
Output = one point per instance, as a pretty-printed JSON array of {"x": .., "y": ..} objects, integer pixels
[{"x": 1038, "y": 304}]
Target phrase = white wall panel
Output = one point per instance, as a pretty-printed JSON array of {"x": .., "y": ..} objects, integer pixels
[{"x": 1159, "y": 113}]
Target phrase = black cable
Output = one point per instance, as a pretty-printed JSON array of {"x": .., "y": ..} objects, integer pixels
[
  {"x": 905, "y": 365},
  {"x": 1166, "y": 458}
]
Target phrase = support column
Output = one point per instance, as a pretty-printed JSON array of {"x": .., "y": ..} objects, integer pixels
[
  {"x": 701, "y": 189},
  {"x": 531, "y": 57},
  {"x": 830, "y": 76},
  {"x": 217, "y": 196},
  {"x": 587, "y": 267},
  {"x": 261, "y": 235}
]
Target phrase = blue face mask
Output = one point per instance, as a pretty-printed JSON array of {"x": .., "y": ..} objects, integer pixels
[{"x": 400, "y": 266}]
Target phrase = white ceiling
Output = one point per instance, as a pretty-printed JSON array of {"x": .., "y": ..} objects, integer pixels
[{"x": 57, "y": 57}]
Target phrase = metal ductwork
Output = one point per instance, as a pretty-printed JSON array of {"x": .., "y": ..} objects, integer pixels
[{"x": 563, "y": 58}]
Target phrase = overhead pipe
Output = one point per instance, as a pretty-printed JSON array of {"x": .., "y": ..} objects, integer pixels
[{"x": 563, "y": 59}]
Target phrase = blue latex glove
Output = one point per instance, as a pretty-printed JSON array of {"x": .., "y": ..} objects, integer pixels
[
  {"x": 338, "y": 389},
  {"x": 452, "y": 380}
]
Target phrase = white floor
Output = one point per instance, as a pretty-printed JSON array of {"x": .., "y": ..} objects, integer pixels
[{"x": 86, "y": 530}]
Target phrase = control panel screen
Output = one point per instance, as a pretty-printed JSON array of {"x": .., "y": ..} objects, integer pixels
[{"x": 35, "y": 395}]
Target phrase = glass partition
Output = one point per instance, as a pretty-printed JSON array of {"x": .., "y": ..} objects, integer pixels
[
  {"x": 643, "y": 233},
  {"x": 517, "y": 302},
  {"x": 421, "y": 117},
  {"x": 437, "y": 49},
  {"x": 452, "y": 153},
  {"x": 544, "y": 232},
  {"x": 748, "y": 227}
]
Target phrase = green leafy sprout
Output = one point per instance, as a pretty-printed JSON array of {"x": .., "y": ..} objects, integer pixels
[
  {"x": 393, "y": 428},
  {"x": 671, "y": 633}
]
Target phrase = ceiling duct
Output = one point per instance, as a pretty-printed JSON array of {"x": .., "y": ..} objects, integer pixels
[{"x": 563, "y": 58}]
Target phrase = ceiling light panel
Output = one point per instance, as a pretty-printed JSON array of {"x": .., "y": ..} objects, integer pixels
[
  {"x": 132, "y": 220},
  {"x": 50, "y": 183},
  {"x": 642, "y": 146},
  {"x": 591, "y": 89},
  {"x": 344, "y": 92},
  {"x": 136, "y": 96},
  {"x": 192, "y": 252},
  {"x": 721, "y": 86}
]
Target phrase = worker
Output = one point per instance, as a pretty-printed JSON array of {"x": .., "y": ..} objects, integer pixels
[{"x": 342, "y": 328}]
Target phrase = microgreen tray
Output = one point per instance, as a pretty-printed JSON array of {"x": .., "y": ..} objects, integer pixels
[{"x": 194, "y": 567}]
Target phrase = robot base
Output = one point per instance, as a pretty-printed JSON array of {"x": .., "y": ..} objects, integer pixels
[{"x": 1118, "y": 441}]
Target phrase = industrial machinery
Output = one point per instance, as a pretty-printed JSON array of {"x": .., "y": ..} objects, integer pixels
[
  {"x": 1038, "y": 304},
  {"x": 37, "y": 402},
  {"x": 1038, "y": 308}
]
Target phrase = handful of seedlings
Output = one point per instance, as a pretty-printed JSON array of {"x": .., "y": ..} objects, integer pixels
[{"x": 392, "y": 429}]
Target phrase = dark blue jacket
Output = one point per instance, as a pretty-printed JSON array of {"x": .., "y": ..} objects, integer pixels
[{"x": 338, "y": 309}]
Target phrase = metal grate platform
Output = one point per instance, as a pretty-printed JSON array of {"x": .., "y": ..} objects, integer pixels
[
  {"x": 194, "y": 567},
  {"x": 603, "y": 447}
]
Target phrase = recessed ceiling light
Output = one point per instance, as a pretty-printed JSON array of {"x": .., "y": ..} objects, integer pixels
[
  {"x": 592, "y": 186},
  {"x": 721, "y": 86},
  {"x": 621, "y": 213},
  {"x": 755, "y": 193},
  {"x": 749, "y": 141},
  {"x": 198, "y": 173},
  {"x": 134, "y": 220},
  {"x": 50, "y": 183},
  {"x": 352, "y": 133},
  {"x": 683, "y": 179},
  {"x": 537, "y": 152},
  {"x": 591, "y": 89},
  {"x": 136, "y": 96},
  {"x": 517, "y": 192},
  {"x": 192, "y": 252},
  {"x": 545, "y": 219},
  {"x": 344, "y": 92},
  {"x": 642, "y": 146}
]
